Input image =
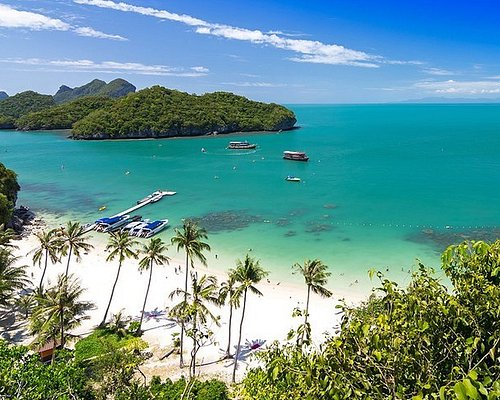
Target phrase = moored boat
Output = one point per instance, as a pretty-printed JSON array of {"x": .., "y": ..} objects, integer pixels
[
  {"x": 291, "y": 178},
  {"x": 136, "y": 230},
  {"x": 151, "y": 196},
  {"x": 153, "y": 228},
  {"x": 241, "y": 145},
  {"x": 109, "y": 224},
  {"x": 295, "y": 155}
]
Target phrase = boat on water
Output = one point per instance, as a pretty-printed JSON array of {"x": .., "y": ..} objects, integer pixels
[
  {"x": 153, "y": 228},
  {"x": 131, "y": 225},
  {"x": 291, "y": 178},
  {"x": 111, "y": 223},
  {"x": 136, "y": 230},
  {"x": 295, "y": 155},
  {"x": 241, "y": 145},
  {"x": 157, "y": 195}
]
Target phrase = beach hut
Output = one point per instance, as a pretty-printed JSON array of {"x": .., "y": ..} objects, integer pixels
[{"x": 47, "y": 350}]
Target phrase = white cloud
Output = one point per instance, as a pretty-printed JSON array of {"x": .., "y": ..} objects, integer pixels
[
  {"x": 200, "y": 69},
  {"x": 89, "y": 32},
  {"x": 109, "y": 67},
  {"x": 438, "y": 72},
  {"x": 307, "y": 51},
  {"x": 461, "y": 87},
  {"x": 12, "y": 18}
]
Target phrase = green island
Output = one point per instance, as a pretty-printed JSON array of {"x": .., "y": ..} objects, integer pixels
[
  {"x": 433, "y": 339},
  {"x": 110, "y": 111}
]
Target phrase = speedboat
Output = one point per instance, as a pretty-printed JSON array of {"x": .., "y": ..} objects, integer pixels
[
  {"x": 131, "y": 225},
  {"x": 150, "y": 197},
  {"x": 153, "y": 228},
  {"x": 108, "y": 224},
  {"x": 136, "y": 230},
  {"x": 295, "y": 155},
  {"x": 291, "y": 178},
  {"x": 241, "y": 145}
]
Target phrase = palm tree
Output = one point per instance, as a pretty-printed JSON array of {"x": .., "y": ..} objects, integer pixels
[
  {"x": 49, "y": 245},
  {"x": 316, "y": 276},
  {"x": 191, "y": 240},
  {"x": 6, "y": 235},
  {"x": 204, "y": 291},
  {"x": 153, "y": 254},
  {"x": 121, "y": 246},
  {"x": 247, "y": 273},
  {"x": 59, "y": 310},
  {"x": 73, "y": 241},
  {"x": 232, "y": 293},
  {"x": 12, "y": 277}
]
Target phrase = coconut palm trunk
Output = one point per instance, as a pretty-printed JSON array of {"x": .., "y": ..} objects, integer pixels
[
  {"x": 112, "y": 293},
  {"x": 44, "y": 268},
  {"x": 69, "y": 259},
  {"x": 195, "y": 349},
  {"x": 147, "y": 292},
  {"x": 61, "y": 320},
  {"x": 307, "y": 304},
  {"x": 228, "y": 350},
  {"x": 239, "y": 338},
  {"x": 181, "y": 361}
]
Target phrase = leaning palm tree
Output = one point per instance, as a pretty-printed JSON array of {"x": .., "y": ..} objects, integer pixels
[
  {"x": 247, "y": 273},
  {"x": 191, "y": 240},
  {"x": 231, "y": 293},
  {"x": 204, "y": 291},
  {"x": 74, "y": 241},
  {"x": 12, "y": 277},
  {"x": 48, "y": 248},
  {"x": 121, "y": 246},
  {"x": 59, "y": 307},
  {"x": 153, "y": 254},
  {"x": 316, "y": 276}
]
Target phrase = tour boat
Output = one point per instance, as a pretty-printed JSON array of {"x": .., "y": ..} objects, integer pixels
[
  {"x": 136, "y": 230},
  {"x": 295, "y": 155},
  {"x": 291, "y": 178},
  {"x": 241, "y": 145},
  {"x": 155, "y": 195},
  {"x": 131, "y": 225},
  {"x": 153, "y": 228},
  {"x": 108, "y": 224}
]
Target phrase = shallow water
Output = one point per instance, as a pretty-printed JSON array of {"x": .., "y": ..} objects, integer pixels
[{"x": 385, "y": 184}]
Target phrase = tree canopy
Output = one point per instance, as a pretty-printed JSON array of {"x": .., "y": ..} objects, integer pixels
[
  {"x": 8, "y": 193},
  {"x": 161, "y": 112}
]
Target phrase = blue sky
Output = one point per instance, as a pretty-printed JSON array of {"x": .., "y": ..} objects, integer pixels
[{"x": 347, "y": 51}]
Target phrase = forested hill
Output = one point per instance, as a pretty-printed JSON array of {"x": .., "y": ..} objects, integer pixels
[
  {"x": 116, "y": 88},
  {"x": 161, "y": 112}
]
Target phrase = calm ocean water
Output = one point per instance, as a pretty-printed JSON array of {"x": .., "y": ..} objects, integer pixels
[{"x": 385, "y": 185}]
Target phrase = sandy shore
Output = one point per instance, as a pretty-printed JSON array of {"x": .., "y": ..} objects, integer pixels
[{"x": 268, "y": 318}]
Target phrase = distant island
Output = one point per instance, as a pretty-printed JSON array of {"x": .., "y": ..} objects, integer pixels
[{"x": 111, "y": 111}]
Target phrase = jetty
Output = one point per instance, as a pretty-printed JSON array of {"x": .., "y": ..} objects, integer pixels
[{"x": 153, "y": 199}]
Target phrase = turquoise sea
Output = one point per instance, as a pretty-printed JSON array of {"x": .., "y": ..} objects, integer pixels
[{"x": 385, "y": 185}]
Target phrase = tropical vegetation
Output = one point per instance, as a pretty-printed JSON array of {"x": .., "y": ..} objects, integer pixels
[
  {"x": 62, "y": 116},
  {"x": 161, "y": 112},
  {"x": 8, "y": 194},
  {"x": 24, "y": 103}
]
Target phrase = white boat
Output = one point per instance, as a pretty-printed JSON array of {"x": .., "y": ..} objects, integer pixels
[
  {"x": 291, "y": 178},
  {"x": 295, "y": 155},
  {"x": 153, "y": 228},
  {"x": 131, "y": 225},
  {"x": 108, "y": 224},
  {"x": 136, "y": 230},
  {"x": 241, "y": 145},
  {"x": 150, "y": 196}
]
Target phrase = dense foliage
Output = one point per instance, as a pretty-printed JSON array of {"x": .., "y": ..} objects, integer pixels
[
  {"x": 24, "y": 103},
  {"x": 422, "y": 342},
  {"x": 3, "y": 95},
  {"x": 62, "y": 116},
  {"x": 115, "y": 88},
  {"x": 23, "y": 376},
  {"x": 161, "y": 112},
  {"x": 8, "y": 193}
]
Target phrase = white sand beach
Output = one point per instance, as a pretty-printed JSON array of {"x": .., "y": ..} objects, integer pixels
[{"x": 268, "y": 318}]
